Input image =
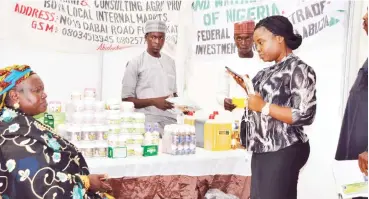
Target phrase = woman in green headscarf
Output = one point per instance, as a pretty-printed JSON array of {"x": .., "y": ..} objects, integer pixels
[{"x": 35, "y": 162}]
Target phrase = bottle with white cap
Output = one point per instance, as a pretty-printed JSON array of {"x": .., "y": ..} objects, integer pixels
[{"x": 156, "y": 134}]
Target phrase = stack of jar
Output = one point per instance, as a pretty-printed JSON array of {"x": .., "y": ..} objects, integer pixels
[
  {"x": 126, "y": 129},
  {"x": 179, "y": 139},
  {"x": 86, "y": 124}
]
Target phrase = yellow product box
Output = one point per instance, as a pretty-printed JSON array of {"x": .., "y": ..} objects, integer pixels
[
  {"x": 239, "y": 102},
  {"x": 217, "y": 136}
]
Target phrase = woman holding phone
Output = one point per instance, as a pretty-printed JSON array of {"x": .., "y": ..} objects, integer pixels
[{"x": 284, "y": 102}]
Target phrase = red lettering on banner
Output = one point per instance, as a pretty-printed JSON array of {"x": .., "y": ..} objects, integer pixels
[
  {"x": 42, "y": 26},
  {"x": 111, "y": 47},
  {"x": 34, "y": 12}
]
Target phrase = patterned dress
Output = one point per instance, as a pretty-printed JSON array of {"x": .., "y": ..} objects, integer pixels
[
  {"x": 36, "y": 163},
  {"x": 290, "y": 83}
]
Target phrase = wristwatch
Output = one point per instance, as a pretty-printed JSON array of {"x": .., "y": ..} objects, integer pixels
[{"x": 265, "y": 109}]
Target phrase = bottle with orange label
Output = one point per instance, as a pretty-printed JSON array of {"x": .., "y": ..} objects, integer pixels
[{"x": 217, "y": 133}]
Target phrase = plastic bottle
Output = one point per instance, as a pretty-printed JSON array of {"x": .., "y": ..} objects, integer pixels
[
  {"x": 175, "y": 140},
  {"x": 187, "y": 139},
  {"x": 148, "y": 140},
  {"x": 193, "y": 140},
  {"x": 156, "y": 134}
]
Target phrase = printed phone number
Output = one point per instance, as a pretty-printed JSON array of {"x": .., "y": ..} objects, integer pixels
[{"x": 99, "y": 38}]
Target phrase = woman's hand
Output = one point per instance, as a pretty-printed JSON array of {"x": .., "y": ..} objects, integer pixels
[
  {"x": 238, "y": 80},
  {"x": 255, "y": 102},
  {"x": 97, "y": 183}
]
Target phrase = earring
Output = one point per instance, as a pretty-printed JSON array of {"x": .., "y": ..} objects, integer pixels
[{"x": 16, "y": 105}]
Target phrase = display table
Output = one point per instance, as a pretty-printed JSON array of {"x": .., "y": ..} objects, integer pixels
[
  {"x": 167, "y": 176},
  {"x": 347, "y": 172}
]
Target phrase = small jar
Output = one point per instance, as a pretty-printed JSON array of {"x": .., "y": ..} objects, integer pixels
[
  {"x": 130, "y": 140},
  {"x": 87, "y": 150},
  {"x": 130, "y": 128},
  {"x": 88, "y": 118},
  {"x": 113, "y": 104},
  {"x": 100, "y": 150},
  {"x": 78, "y": 106},
  {"x": 123, "y": 138},
  {"x": 89, "y": 93},
  {"x": 138, "y": 139},
  {"x": 76, "y": 96},
  {"x": 138, "y": 151},
  {"x": 126, "y": 117},
  {"x": 88, "y": 105},
  {"x": 73, "y": 134},
  {"x": 99, "y": 106},
  {"x": 88, "y": 133},
  {"x": 101, "y": 133},
  {"x": 113, "y": 140},
  {"x": 99, "y": 118},
  {"x": 114, "y": 129},
  {"x": 54, "y": 107},
  {"x": 139, "y": 128},
  {"x": 114, "y": 119},
  {"x": 77, "y": 118},
  {"x": 127, "y": 107},
  {"x": 139, "y": 118}
]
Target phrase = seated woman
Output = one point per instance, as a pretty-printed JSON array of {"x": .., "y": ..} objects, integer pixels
[
  {"x": 284, "y": 103},
  {"x": 35, "y": 162}
]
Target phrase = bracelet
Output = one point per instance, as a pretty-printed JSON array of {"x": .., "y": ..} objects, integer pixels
[{"x": 86, "y": 181}]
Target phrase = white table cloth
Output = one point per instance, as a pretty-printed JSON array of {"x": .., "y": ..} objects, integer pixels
[
  {"x": 237, "y": 162},
  {"x": 347, "y": 172}
]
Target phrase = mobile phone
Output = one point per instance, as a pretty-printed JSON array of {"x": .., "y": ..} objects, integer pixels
[{"x": 232, "y": 71}]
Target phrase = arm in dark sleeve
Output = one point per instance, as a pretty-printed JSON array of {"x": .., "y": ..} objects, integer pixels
[{"x": 303, "y": 95}]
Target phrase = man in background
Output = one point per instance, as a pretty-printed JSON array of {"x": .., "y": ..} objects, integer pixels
[
  {"x": 245, "y": 62},
  {"x": 353, "y": 141},
  {"x": 150, "y": 78}
]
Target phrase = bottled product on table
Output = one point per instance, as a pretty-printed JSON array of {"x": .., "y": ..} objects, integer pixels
[
  {"x": 114, "y": 118},
  {"x": 89, "y": 93},
  {"x": 77, "y": 118},
  {"x": 148, "y": 136},
  {"x": 123, "y": 139},
  {"x": 138, "y": 139},
  {"x": 88, "y": 134},
  {"x": 99, "y": 118},
  {"x": 88, "y": 118},
  {"x": 100, "y": 150},
  {"x": 156, "y": 134},
  {"x": 73, "y": 134},
  {"x": 190, "y": 119},
  {"x": 139, "y": 118},
  {"x": 217, "y": 133},
  {"x": 89, "y": 105},
  {"x": 139, "y": 128},
  {"x": 114, "y": 128},
  {"x": 193, "y": 140},
  {"x": 179, "y": 139},
  {"x": 112, "y": 104},
  {"x": 99, "y": 106},
  {"x": 101, "y": 133},
  {"x": 127, "y": 107},
  {"x": 75, "y": 96},
  {"x": 87, "y": 149}
]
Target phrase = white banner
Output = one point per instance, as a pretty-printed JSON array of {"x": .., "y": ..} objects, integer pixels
[
  {"x": 215, "y": 19},
  {"x": 86, "y": 25}
]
